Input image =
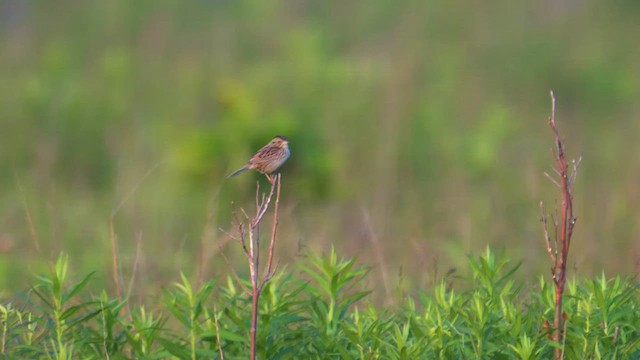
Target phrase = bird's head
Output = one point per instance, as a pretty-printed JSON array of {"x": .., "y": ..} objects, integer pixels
[{"x": 280, "y": 141}]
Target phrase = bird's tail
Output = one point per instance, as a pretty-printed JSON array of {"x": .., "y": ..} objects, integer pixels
[{"x": 244, "y": 168}]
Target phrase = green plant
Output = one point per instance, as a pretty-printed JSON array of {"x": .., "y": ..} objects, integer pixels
[
  {"x": 188, "y": 306},
  {"x": 143, "y": 332},
  {"x": 66, "y": 312},
  {"x": 333, "y": 291},
  {"x": 324, "y": 313}
]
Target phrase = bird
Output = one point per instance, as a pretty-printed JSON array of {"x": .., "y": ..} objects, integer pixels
[{"x": 269, "y": 158}]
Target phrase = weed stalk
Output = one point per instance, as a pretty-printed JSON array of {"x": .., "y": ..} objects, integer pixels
[
  {"x": 252, "y": 251},
  {"x": 562, "y": 227}
]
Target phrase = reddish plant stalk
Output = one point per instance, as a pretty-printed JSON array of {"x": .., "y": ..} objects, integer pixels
[
  {"x": 252, "y": 253},
  {"x": 562, "y": 231}
]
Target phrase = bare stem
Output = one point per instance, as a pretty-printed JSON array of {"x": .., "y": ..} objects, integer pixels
[
  {"x": 27, "y": 213},
  {"x": 215, "y": 321},
  {"x": 562, "y": 226},
  {"x": 112, "y": 231},
  {"x": 115, "y": 276},
  {"x": 251, "y": 229},
  {"x": 547, "y": 238},
  {"x": 274, "y": 229}
]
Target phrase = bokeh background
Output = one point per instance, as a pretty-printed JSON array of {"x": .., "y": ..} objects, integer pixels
[{"x": 418, "y": 130}]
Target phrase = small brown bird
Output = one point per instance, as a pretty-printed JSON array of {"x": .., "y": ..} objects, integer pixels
[{"x": 268, "y": 159}]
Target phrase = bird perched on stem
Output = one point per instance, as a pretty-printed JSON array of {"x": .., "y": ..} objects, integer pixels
[{"x": 268, "y": 159}]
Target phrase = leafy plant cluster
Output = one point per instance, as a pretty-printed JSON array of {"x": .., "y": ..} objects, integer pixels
[{"x": 324, "y": 314}]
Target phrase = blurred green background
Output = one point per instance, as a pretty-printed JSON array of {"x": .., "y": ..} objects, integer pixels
[{"x": 418, "y": 130}]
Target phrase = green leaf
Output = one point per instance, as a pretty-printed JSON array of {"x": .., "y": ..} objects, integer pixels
[
  {"x": 229, "y": 336},
  {"x": 175, "y": 349},
  {"x": 79, "y": 286}
]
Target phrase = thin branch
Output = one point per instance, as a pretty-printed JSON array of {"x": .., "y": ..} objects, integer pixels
[
  {"x": 112, "y": 231},
  {"x": 276, "y": 267},
  {"x": 215, "y": 322},
  {"x": 207, "y": 232},
  {"x": 243, "y": 242},
  {"x": 563, "y": 224},
  {"x": 551, "y": 178},
  {"x": 574, "y": 173},
  {"x": 274, "y": 228},
  {"x": 249, "y": 230},
  {"x": 241, "y": 230},
  {"x": 115, "y": 276},
  {"x": 264, "y": 206},
  {"x": 553, "y": 109},
  {"x": 547, "y": 238},
  {"x": 375, "y": 243},
  {"x": 27, "y": 213},
  {"x": 136, "y": 262},
  {"x": 229, "y": 235},
  {"x": 135, "y": 268},
  {"x": 135, "y": 187},
  {"x": 234, "y": 273},
  {"x": 257, "y": 194},
  {"x": 254, "y": 260},
  {"x": 246, "y": 216},
  {"x": 556, "y": 237}
]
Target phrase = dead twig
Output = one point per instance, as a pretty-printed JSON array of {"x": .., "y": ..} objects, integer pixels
[
  {"x": 235, "y": 274},
  {"x": 249, "y": 231},
  {"x": 553, "y": 253},
  {"x": 563, "y": 225},
  {"x": 268, "y": 274}
]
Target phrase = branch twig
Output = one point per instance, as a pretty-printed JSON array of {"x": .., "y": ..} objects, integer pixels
[
  {"x": 563, "y": 225},
  {"x": 250, "y": 228},
  {"x": 274, "y": 228}
]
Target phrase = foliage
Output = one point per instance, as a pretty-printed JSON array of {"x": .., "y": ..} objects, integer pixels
[{"x": 324, "y": 313}]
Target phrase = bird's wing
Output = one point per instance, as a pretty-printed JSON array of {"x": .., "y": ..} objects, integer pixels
[{"x": 264, "y": 155}]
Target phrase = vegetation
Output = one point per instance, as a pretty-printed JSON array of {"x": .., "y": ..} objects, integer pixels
[
  {"x": 417, "y": 139},
  {"x": 322, "y": 310}
]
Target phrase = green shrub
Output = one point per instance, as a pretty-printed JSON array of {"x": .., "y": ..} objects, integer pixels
[{"x": 323, "y": 312}]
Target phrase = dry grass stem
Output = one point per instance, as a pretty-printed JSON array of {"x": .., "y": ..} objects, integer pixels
[
  {"x": 563, "y": 224},
  {"x": 250, "y": 231},
  {"x": 115, "y": 275},
  {"x": 215, "y": 322},
  {"x": 27, "y": 213}
]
